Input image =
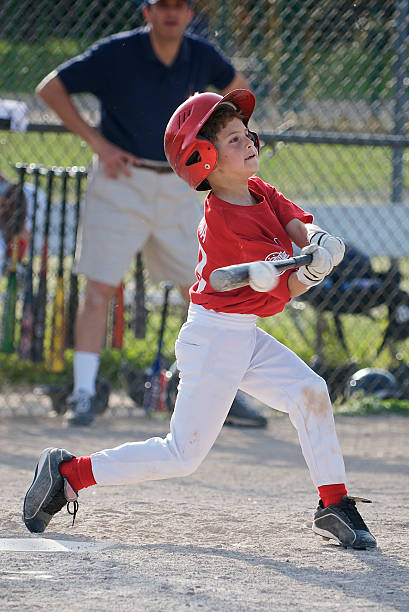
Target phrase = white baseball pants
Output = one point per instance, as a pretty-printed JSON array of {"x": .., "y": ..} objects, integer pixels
[{"x": 217, "y": 353}]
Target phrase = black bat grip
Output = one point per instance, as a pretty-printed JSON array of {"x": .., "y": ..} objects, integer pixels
[{"x": 294, "y": 262}]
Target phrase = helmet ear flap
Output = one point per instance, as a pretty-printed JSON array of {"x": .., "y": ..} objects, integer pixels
[{"x": 197, "y": 163}]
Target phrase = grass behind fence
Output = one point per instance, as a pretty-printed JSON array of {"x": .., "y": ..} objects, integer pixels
[
  {"x": 334, "y": 71},
  {"x": 315, "y": 174}
]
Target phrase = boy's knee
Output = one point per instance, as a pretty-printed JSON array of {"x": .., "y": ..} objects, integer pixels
[
  {"x": 315, "y": 394},
  {"x": 319, "y": 384}
]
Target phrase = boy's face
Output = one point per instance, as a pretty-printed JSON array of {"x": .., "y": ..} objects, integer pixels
[{"x": 237, "y": 156}]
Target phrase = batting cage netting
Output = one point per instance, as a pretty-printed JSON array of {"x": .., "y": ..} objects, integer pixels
[{"x": 331, "y": 81}]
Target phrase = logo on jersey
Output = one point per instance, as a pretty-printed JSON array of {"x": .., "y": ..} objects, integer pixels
[
  {"x": 202, "y": 229},
  {"x": 277, "y": 256}
]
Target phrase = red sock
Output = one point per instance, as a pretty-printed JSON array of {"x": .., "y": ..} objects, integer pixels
[
  {"x": 78, "y": 472},
  {"x": 331, "y": 494}
]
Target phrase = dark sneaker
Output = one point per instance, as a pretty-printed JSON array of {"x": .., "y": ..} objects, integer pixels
[
  {"x": 49, "y": 491},
  {"x": 81, "y": 408},
  {"x": 343, "y": 523},
  {"x": 243, "y": 414}
]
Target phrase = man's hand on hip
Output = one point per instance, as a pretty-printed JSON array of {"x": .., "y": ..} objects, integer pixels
[{"x": 115, "y": 160}]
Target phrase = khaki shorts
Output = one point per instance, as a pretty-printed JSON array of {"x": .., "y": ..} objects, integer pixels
[{"x": 150, "y": 212}]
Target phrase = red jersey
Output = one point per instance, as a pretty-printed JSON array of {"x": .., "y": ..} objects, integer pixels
[{"x": 230, "y": 234}]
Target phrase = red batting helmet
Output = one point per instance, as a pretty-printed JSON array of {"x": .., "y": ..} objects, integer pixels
[{"x": 193, "y": 158}]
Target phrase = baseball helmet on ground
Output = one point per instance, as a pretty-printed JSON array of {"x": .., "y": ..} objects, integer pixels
[
  {"x": 193, "y": 158},
  {"x": 373, "y": 381}
]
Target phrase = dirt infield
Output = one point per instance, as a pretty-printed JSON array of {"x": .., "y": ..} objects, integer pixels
[{"x": 232, "y": 536}]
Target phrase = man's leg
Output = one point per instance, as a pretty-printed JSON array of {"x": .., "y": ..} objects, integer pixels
[
  {"x": 112, "y": 229},
  {"x": 184, "y": 292},
  {"x": 90, "y": 323},
  {"x": 90, "y": 329}
]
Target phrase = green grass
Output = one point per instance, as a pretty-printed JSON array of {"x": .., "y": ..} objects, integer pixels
[
  {"x": 361, "y": 405},
  {"x": 297, "y": 330},
  {"x": 47, "y": 149},
  {"x": 334, "y": 72},
  {"x": 139, "y": 353},
  {"x": 351, "y": 72},
  {"x": 328, "y": 174},
  {"x": 28, "y": 63}
]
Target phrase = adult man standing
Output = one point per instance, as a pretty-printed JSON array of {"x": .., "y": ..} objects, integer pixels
[{"x": 134, "y": 200}]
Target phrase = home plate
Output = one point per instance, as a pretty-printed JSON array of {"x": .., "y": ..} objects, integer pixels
[{"x": 48, "y": 545}]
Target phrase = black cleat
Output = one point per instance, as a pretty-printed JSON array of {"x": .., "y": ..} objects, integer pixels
[
  {"x": 49, "y": 491},
  {"x": 343, "y": 523},
  {"x": 243, "y": 414},
  {"x": 81, "y": 408}
]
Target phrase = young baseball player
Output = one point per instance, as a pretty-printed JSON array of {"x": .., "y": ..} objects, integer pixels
[{"x": 220, "y": 348}]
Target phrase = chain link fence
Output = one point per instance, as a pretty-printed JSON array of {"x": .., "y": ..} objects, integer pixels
[{"x": 331, "y": 80}]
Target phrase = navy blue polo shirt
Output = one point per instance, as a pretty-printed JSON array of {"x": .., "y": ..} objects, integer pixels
[{"x": 137, "y": 92}]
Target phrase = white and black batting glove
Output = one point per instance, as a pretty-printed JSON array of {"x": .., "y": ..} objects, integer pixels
[
  {"x": 318, "y": 269},
  {"x": 333, "y": 244}
]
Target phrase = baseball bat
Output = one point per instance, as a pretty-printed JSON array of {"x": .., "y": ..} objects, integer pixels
[
  {"x": 57, "y": 348},
  {"x": 27, "y": 320},
  {"x": 40, "y": 300},
  {"x": 118, "y": 322},
  {"x": 9, "y": 308},
  {"x": 153, "y": 386},
  {"x": 233, "y": 277},
  {"x": 73, "y": 290},
  {"x": 139, "y": 319}
]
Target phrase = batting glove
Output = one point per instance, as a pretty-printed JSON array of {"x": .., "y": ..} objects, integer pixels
[
  {"x": 332, "y": 244},
  {"x": 318, "y": 269}
]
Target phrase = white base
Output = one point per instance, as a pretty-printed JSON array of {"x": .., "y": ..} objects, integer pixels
[{"x": 40, "y": 544}]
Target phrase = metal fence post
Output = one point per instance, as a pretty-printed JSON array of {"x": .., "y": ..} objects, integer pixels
[{"x": 400, "y": 101}]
